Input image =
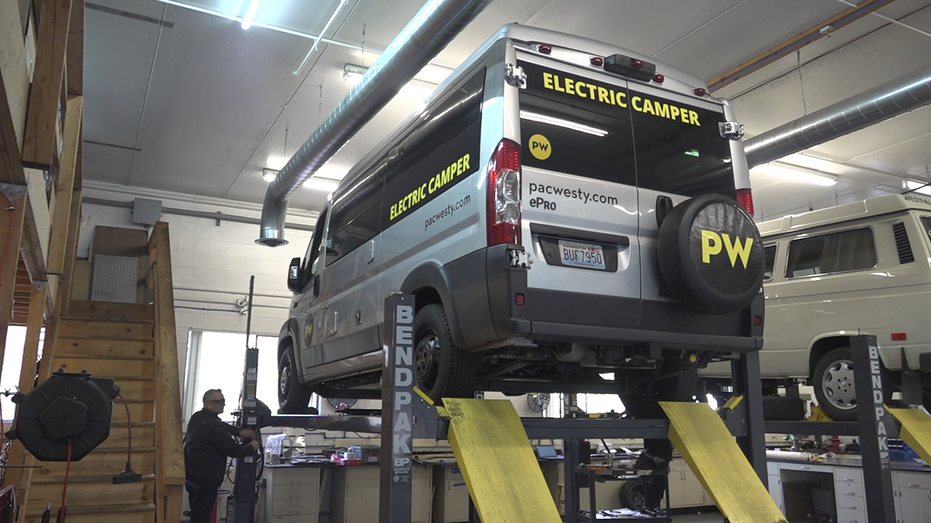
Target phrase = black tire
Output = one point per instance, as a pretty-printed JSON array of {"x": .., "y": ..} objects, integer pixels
[
  {"x": 722, "y": 284},
  {"x": 292, "y": 397},
  {"x": 633, "y": 494},
  {"x": 834, "y": 387},
  {"x": 440, "y": 368},
  {"x": 783, "y": 408},
  {"x": 680, "y": 386}
]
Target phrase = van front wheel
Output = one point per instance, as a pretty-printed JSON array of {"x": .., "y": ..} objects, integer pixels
[
  {"x": 441, "y": 368},
  {"x": 292, "y": 397}
]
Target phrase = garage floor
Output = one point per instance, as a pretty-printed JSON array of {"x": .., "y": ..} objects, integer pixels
[{"x": 706, "y": 517}]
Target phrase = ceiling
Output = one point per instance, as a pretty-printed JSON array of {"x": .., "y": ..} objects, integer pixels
[{"x": 183, "y": 99}]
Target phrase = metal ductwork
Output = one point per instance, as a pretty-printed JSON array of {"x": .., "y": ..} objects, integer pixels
[
  {"x": 428, "y": 33},
  {"x": 876, "y": 105}
]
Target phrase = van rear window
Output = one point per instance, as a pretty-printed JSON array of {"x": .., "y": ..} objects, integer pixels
[{"x": 576, "y": 125}]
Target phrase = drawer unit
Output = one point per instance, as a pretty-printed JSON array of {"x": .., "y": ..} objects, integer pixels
[{"x": 292, "y": 494}]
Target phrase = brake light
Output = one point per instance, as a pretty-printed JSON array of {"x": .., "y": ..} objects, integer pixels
[
  {"x": 745, "y": 200},
  {"x": 699, "y": 92},
  {"x": 503, "y": 196},
  {"x": 545, "y": 49},
  {"x": 658, "y": 78},
  {"x": 596, "y": 61}
]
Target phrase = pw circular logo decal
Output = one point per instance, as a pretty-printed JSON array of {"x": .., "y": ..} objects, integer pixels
[{"x": 540, "y": 147}]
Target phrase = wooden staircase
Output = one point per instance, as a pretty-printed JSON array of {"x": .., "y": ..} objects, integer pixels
[{"x": 134, "y": 344}]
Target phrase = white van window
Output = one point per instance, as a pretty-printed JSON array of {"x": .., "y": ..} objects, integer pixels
[
  {"x": 830, "y": 253},
  {"x": 609, "y": 133},
  {"x": 769, "y": 259},
  {"x": 926, "y": 223}
]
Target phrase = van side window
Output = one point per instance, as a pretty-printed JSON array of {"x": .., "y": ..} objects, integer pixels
[
  {"x": 830, "y": 253},
  {"x": 769, "y": 259},
  {"x": 356, "y": 211},
  {"x": 441, "y": 150},
  {"x": 312, "y": 256}
]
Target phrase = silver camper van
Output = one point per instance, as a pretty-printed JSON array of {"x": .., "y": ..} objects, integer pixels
[{"x": 565, "y": 213}]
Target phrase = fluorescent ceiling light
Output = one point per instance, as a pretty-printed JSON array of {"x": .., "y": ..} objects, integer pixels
[
  {"x": 353, "y": 73},
  {"x": 559, "y": 122},
  {"x": 918, "y": 187},
  {"x": 250, "y": 14},
  {"x": 320, "y": 184},
  {"x": 798, "y": 175},
  {"x": 269, "y": 175}
]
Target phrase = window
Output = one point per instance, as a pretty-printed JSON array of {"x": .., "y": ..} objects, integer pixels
[
  {"x": 12, "y": 363},
  {"x": 440, "y": 150},
  {"x": 831, "y": 253},
  {"x": 219, "y": 364},
  {"x": 769, "y": 259},
  {"x": 608, "y": 142},
  {"x": 355, "y": 215}
]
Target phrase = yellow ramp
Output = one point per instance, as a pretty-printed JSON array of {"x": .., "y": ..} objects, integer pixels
[
  {"x": 713, "y": 455},
  {"x": 499, "y": 467},
  {"x": 916, "y": 430}
]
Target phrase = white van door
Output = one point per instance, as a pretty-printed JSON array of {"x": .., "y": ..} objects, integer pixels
[{"x": 352, "y": 269}]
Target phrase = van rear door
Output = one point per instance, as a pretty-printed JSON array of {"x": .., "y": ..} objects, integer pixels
[
  {"x": 599, "y": 155},
  {"x": 579, "y": 200}
]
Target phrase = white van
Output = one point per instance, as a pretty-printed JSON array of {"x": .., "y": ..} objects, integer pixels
[
  {"x": 561, "y": 209},
  {"x": 859, "y": 268}
]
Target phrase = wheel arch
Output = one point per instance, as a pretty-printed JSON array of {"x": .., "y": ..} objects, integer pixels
[
  {"x": 428, "y": 287},
  {"x": 828, "y": 342},
  {"x": 287, "y": 335}
]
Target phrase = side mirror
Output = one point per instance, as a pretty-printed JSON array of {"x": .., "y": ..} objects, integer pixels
[{"x": 294, "y": 275}]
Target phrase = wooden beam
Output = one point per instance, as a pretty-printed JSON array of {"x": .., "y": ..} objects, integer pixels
[
  {"x": 27, "y": 374},
  {"x": 12, "y": 213},
  {"x": 800, "y": 40},
  {"x": 64, "y": 186},
  {"x": 169, "y": 468},
  {"x": 71, "y": 252},
  {"x": 11, "y": 162},
  {"x": 42, "y": 113},
  {"x": 75, "y": 59}
]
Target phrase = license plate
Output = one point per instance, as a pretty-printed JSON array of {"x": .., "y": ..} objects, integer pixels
[{"x": 577, "y": 254}]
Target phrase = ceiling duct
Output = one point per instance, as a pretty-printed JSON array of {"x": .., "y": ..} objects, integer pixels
[
  {"x": 431, "y": 30},
  {"x": 889, "y": 100}
]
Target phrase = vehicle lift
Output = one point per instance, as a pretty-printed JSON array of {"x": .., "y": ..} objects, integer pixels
[{"x": 725, "y": 450}]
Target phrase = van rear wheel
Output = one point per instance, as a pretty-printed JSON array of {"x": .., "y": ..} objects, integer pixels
[
  {"x": 834, "y": 388},
  {"x": 679, "y": 385},
  {"x": 834, "y": 385},
  {"x": 441, "y": 368}
]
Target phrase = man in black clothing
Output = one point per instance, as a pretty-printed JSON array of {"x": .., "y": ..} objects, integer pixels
[{"x": 207, "y": 444}]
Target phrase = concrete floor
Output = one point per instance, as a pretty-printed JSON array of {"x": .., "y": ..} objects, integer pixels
[{"x": 705, "y": 517}]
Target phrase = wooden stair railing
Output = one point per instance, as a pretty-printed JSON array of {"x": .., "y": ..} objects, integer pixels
[
  {"x": 169, "y": 464},
  {"x": 135, "y": 344}
]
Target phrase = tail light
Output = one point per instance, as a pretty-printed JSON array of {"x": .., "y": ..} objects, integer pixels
[
  {"x": 745, "y": 200},
  {"x": 503, "y": 197}
]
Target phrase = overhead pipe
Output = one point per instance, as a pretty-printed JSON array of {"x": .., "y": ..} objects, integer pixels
[
  {"x": 881, "y": 103},
  {"x": 428, "y": 33}
]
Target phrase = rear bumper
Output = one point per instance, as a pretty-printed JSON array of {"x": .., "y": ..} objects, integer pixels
[{"x": 484, "y": 292}]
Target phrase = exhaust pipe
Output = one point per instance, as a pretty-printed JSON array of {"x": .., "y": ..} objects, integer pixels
[
  {"x": 428, "y": 33},
  {"x": 881, "y": 103}
]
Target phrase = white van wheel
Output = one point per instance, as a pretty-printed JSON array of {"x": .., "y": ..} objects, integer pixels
[
  {"x": 292, "y": 397},
  {"x": 834, "y": 385},
  {"x": 441, "y": 369}
]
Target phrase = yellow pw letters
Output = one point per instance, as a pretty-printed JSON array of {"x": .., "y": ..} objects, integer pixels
[{"x": 711, "y": 243}]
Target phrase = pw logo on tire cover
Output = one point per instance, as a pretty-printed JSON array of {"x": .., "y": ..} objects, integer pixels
[{"x": 711, "y": 255}]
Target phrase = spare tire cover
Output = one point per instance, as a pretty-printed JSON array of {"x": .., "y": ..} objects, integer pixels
[{"x": 711, "y": 255}]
